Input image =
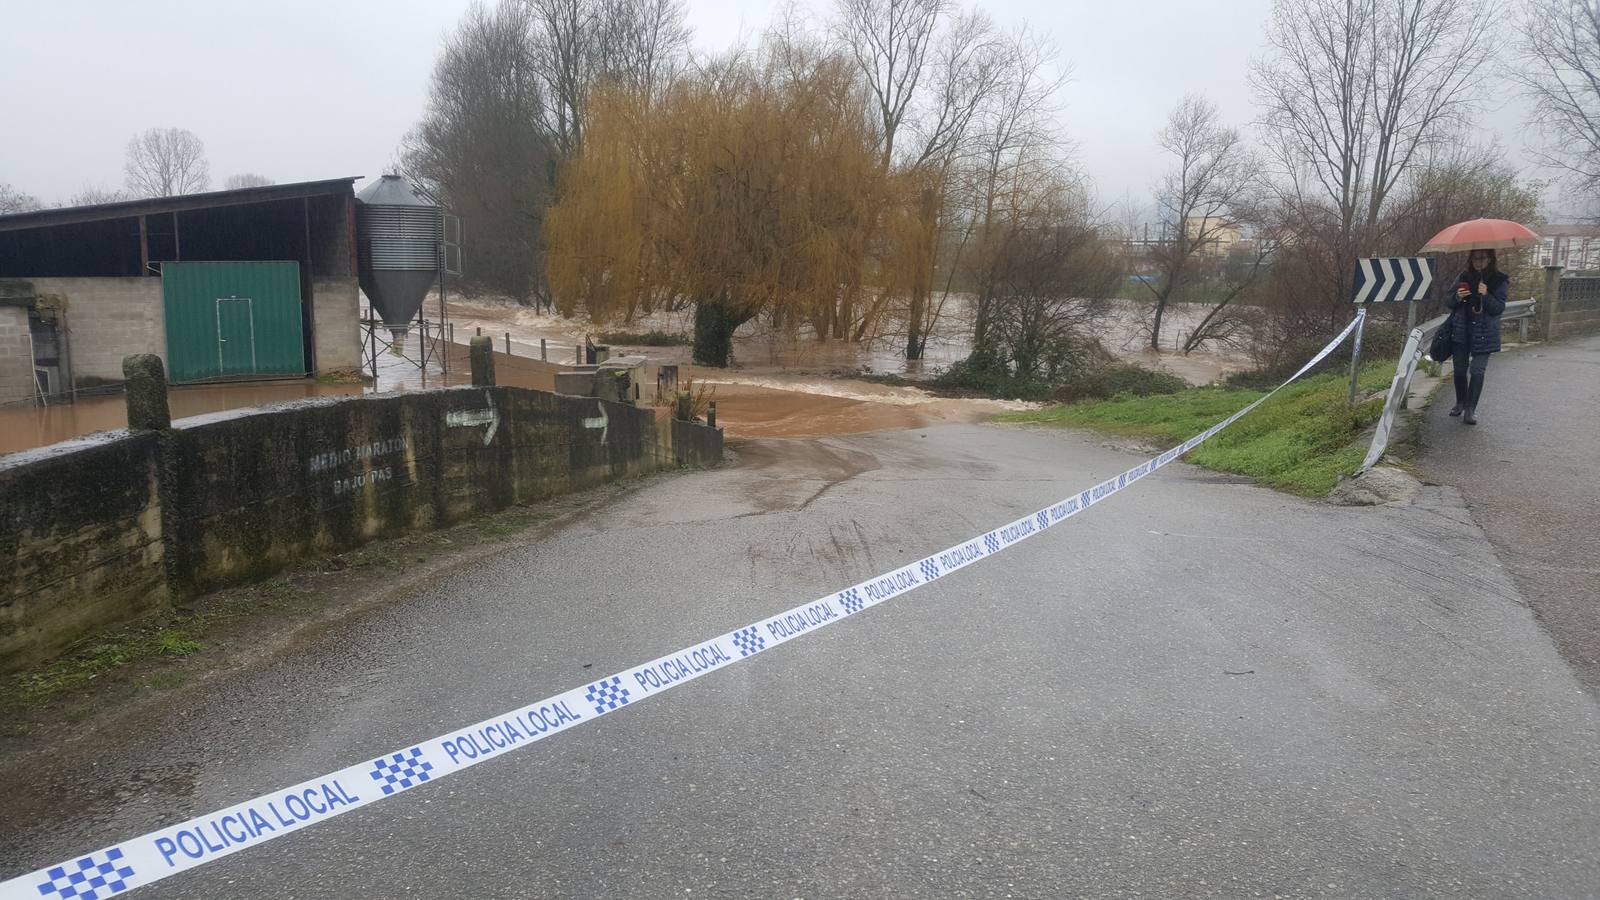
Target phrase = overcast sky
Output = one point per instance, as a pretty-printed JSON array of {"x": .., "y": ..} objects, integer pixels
[{"x": 304, "y": 89}]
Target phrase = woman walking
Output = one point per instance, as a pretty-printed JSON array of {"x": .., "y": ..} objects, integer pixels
[{"x": 1475, "y": 310}]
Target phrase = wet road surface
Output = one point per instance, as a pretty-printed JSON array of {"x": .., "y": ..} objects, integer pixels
[
  {"x": 1529, "y": 473},
  {"x": 1199, "y": 688}
]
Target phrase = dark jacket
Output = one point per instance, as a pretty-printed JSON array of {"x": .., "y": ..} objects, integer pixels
[{"x": 1475, "y": 321}]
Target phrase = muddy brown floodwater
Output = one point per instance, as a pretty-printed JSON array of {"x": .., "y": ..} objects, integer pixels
[
  {"x": 780, "y": 386},
  {"x": 759, "y": 350}
]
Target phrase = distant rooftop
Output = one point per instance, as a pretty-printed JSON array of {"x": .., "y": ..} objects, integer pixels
[
  {"x": 127, "y": 209},
  {"x": 1569, "y": 230}
]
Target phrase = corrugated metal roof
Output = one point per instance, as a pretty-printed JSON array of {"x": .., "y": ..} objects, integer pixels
[
  {"x": 71, "y": 215},
  {"x": 394, "y": 190}
]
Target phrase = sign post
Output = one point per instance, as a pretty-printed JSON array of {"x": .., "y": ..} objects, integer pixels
[{"x": 1387, "y": 279}]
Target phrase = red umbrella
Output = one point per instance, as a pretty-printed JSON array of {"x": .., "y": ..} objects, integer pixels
[{"x": 1481, "y": 234}]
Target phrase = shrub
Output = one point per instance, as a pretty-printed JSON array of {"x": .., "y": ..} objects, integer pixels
[
  {"x": 1119, "y": 380},
  {"x": 645, "y": 339}
]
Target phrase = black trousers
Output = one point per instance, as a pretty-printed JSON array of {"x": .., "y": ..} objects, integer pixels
[{"x": 1465, "y": 361}]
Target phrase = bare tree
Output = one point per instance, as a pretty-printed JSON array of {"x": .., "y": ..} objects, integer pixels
[
  {"x": 890, "y": 41},
  {"x": 166, "y": 162},
  {"x": 1560, "y": 73},
  {"x": 1352, "y": 96},
  {"x": 246, "y": 180},
  {"x": 93, "y": 195},
  {"x": 928, "y": 84},
  {"x": 643, "y": 44},
  {"x": 482, "y": 145},
  {"x": 1050, "y": 271},
  {"x": 1212, "y": 175},
  {"x": 15, "y": 201},
  {"x": 1015, "y": 150},
  {"x": 577, "y": 43}
]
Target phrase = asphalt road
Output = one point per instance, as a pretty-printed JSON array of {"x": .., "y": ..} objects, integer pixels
[
  {"x": 1198, "y": 688},
  {"x": 1530, "y": 473}
]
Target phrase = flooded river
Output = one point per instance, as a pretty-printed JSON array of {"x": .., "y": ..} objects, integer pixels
[{"x": 781, "y": 385}]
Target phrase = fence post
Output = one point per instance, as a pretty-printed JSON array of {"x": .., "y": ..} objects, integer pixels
[
  {"x": 482, "y": 361},
  {"x": 508, "y": 343},
  {"x": 544, "y": 355},
  {"x": 1552, "y": 298},
  {"x": 147, "y": 392},
  {"x": 1355, "y": 355}
]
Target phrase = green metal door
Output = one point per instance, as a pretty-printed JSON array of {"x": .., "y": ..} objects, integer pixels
[
  {"x": 232, "y": 319},
  {"x": 236, "y": 340}
]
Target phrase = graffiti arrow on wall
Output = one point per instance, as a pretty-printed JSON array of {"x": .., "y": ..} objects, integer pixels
[
  {"x": 471, "y": 418},
  {"x": 601, "y": 422}
]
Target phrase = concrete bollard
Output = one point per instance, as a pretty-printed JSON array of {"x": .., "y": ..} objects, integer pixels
[
  {"x": 1552, "y": 299},
  {"x": 482, "y": 361},
  {"x": 711, "y": 414},
  {"x": 147, "y": 392}
]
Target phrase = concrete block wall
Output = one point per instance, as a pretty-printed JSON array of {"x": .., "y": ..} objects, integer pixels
[
  {"x": 335, "y": 316},
  {"x": 108, "y": 319},
  {"x": 98, "y": 531},
  {"x": 80, "y": 542},
  {"x": 16, "y": 357},
  {"x": 1578, "y": 311}
]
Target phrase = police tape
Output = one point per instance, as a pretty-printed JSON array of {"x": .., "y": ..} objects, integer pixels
[{"x": 203, "y": 839}]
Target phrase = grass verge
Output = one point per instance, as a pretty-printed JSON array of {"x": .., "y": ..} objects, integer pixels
[{"x": 1300, "y": 441}]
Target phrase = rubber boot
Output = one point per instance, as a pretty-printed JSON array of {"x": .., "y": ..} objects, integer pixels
[
  {"x": 1461, "y": 394},
  {"x": 1474, "y": 391}
]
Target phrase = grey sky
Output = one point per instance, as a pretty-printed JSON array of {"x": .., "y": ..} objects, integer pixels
[{"x": 299, "y": 90}]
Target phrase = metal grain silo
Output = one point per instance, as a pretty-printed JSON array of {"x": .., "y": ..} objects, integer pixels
[{"x": 399, "y": 229}]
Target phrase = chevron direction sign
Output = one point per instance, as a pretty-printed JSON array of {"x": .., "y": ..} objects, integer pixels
[{"x": 1387, "y": 279}]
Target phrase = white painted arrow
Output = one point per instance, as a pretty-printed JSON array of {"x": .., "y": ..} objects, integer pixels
[
  {"x": 471, "y": 418},
  {"x": 1368, "y": 282},
  {"x": 601, "y": 422},
  {"x": 1408, "y": 277},
  {"x": 1426, "y": 280}
]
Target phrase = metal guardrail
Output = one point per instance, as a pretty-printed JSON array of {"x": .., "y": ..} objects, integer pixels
[{"x": 1416, "y": 344}]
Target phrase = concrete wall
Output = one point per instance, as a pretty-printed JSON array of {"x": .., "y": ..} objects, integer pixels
[
  {"x": 80, "y": 542},
  {"x": 335, "y": 312},
  {"x": 97, "y": 532},
  {"x": 16, "y": 356},
  {"x": 1578, "y": 311},
  {"x": 108, "y": 319}
]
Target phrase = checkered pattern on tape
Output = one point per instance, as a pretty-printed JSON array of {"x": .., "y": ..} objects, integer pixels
[
  {"x": 607, "y": 694},
  {"x": 400, "y": 771},
  {"x": 850, "y": 599},
  {"x": 930, "y": 569},
  {"x": 749, "y": 641},
  {"x": 88, "y": 879},
  {"x": 991, "y": 542}
]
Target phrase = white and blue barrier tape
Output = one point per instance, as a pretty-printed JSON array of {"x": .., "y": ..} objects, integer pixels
[{"x": 168, "y": 851}]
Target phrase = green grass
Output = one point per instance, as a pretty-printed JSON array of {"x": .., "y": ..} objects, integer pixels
[
  {"x": 107, "y": 654},
  {"x": 1300, "y": 441},
  {"x": 507, "y": 525}
]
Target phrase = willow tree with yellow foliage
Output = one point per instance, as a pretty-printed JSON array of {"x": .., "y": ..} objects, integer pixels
[{"x": 749, "y": 188}]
